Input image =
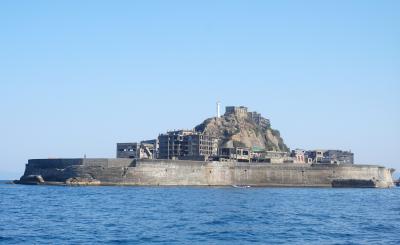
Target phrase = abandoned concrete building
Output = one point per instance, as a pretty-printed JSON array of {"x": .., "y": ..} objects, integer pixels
[
  {"x": 271, "y": 156},
  {"x": 240, "y": 111},
  {"x": 300, "y": 156},
  {"x": 338, "y": 156},
  {"x": 240, "y": 154},
  {"x": 186, "y": 145},
  {"x": 193, "y": 145},
  {"x": 127, "y": 150},
  {"x": 140, "y": 150},
  {"x": 259, "y": 120},
  {"x": 330, "y": 156},
  {"x": 243, "y": 154},
  {"x": 152, "y": 146}
]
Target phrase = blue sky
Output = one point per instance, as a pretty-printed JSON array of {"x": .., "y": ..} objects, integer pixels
[{"x": 78, "y": 76}]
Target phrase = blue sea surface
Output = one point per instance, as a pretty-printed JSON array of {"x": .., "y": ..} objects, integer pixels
[{"x": 183, "y": 215}]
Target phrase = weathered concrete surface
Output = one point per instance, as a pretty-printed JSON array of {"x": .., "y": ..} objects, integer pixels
[{"x": 191, "y": 173}]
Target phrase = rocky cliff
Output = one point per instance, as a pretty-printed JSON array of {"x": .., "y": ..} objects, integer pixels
[{"x": 243, "y": 130}]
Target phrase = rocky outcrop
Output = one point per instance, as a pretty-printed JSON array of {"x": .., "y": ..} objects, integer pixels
[
  {"x": 235, "y": 130},
  {"x": 30, "y": 180},
  {"x": 79, "y": 181}
]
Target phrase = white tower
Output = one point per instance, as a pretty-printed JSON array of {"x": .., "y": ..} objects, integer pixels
[{"x": 218, "y": 109}]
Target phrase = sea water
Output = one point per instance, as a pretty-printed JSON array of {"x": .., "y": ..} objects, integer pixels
[{"x": 193, "y": 215}]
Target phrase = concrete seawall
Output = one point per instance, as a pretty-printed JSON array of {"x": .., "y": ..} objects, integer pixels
[{"x": 192, "y": 173}]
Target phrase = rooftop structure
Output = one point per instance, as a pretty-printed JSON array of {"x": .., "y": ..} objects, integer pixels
[
  {"x": 240, "y": 111},
  {"x": 258, "y": 119}
]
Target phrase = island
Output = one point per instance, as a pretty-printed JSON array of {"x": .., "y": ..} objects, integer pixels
[{"x": 238, "y": 148}]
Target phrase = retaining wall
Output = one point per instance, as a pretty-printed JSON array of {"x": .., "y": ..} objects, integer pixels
[{"x": 169, "y": 172}]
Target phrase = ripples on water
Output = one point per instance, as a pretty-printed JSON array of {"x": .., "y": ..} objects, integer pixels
[{"x": 178, "y": 215}]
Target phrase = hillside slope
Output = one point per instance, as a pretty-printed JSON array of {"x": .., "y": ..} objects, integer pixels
[{"x": 242, "y": 131}]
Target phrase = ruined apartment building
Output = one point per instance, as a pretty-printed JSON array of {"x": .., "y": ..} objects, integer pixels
[
  {"x": 142, "y": 150},
  {"x": 186, "y": 145},
  {"x": 242, "y": 111}
]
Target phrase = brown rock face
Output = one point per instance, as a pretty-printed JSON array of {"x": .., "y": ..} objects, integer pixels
[{"x": 242, "y": 131}]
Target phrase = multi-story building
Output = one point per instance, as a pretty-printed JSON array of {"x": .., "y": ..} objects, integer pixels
[
  {"x": 198, "y": 144},
  {"x": 331, "y": 156},
  {"x": 299, "y": 156},
  {"x": 240, "y": 111},
  {"x": 315, "y": 155},
  {"x": 127, "y": 150},
  {"x": 140, "y": 150},
  {"x": 258, "y": 119},
  {"x": 186, "y": 144},
  {"x": 240, "y": 154},
  {"x": 171, "y": 144},
  {"x": 338, "y": 156}
]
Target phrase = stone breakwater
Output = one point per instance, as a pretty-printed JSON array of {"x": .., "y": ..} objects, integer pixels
[{"x": 102, "y": 171}]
